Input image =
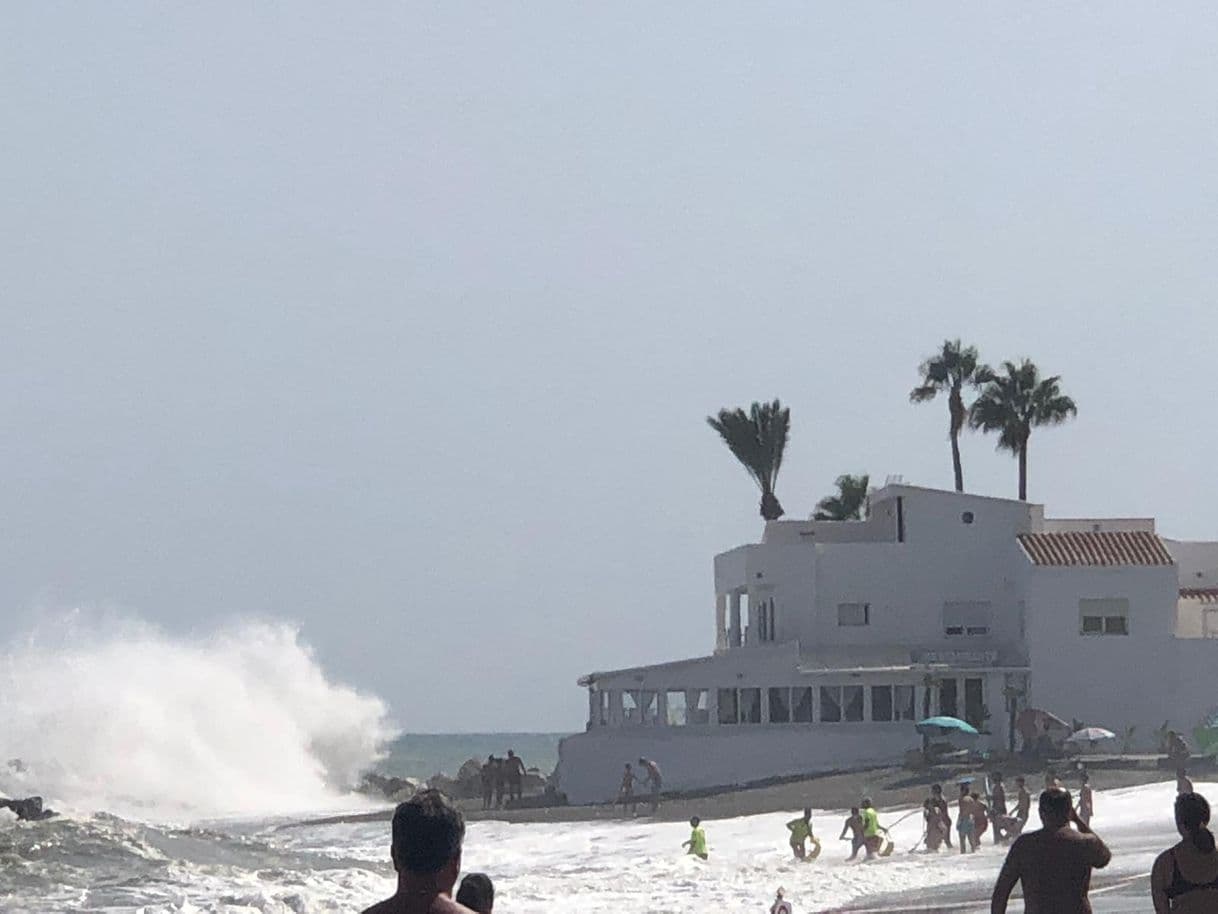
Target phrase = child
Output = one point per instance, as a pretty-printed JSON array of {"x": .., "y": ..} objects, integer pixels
[
  {"x": 801, "y": 832},
  {"x": 697, "y": 839},
  {"x": 779, "y": 906}
]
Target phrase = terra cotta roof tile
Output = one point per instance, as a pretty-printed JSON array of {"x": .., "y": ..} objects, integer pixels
[{"x": 1095, "y": 549}]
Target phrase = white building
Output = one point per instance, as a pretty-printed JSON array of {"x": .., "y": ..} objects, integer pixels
[{"x": 833, "y": 637}]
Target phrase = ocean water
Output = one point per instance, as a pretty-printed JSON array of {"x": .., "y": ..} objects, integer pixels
[{"x": 181, "y": 768}]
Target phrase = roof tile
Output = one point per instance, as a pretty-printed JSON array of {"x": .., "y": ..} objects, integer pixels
[{"x": 1095, "y": 549}]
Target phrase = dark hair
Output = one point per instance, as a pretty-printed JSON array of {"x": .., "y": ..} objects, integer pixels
[
  {"x": 642, "y": 761},
  {"x": 807, "y": 812},
  {"x": 854, "y": 809},
  {"x": 1055, "y": 804},
  {"x": 695, "y": 821},
  {"x": 997, "y": 775},
  {"x": 477, "y": 893},
  {"x": 427, "y": 833},
  {"x": 1193, "y": 815},
  {"x": 936, "y": 788}
]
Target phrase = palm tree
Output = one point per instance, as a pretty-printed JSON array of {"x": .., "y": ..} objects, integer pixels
[
  {"x": 758, "y": 439},
  {"x": 850, "y": 502},
  {"x": 1015, "y": 401},
  {"x": 947, "y": 372}
]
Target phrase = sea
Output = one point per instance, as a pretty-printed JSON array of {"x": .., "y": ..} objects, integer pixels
[{"x": 184, "y": 770}]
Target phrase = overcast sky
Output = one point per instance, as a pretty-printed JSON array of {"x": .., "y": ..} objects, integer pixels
[{"x": 402, "y": 321}]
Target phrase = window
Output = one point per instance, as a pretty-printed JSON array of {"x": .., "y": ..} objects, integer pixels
[
  {"x": 947, "y": 698},
  {"x": 852, "y": 702},
  {"x": 801, "y": 705},
  {"x": 966, "y": 619},
  {"x": 750, "y": 706},
  {"x": 1104, "y": 617},
  {"x": 675, "y": 708},
  {"x": 903, "y": 702},
  {"x": 780, "y": 706},
  {"x": 881, "y": 703},
  {"x": 727, "y": 706},
  {"x": 830, "y": 704},
  {"x": 697, "y": 710},
  {"x": 649, "y": 706},
  {"x": 966, "y": 517},
  {"x": 974, "y": 706},
  {"x": 602, "y": 708},
  {"x": 853, "y": 613}
]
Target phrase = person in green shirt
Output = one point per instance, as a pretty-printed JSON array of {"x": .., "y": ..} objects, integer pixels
[
  {"x": 871, "y": 828},
  {"x": 801, "y": 833},
  {"x": 697, "y": 839}
]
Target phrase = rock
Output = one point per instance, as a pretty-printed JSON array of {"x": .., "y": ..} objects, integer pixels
[{"x": 30, "y": 809}]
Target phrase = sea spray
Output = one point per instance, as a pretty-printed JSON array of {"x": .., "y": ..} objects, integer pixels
[{"x": 123, "y": 717}]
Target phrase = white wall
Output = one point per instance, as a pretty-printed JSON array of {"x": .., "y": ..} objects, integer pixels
[{"x": 1198, "y": 562}]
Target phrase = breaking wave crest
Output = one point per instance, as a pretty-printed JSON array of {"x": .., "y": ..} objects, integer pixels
[{"x": 123, "y": 717}]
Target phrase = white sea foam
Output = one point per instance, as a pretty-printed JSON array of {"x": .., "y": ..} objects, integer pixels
[{"x": 121, "y": 717}]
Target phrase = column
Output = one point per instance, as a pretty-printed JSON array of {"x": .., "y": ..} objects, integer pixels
[
  {"x": 593, "y": 708},
  {"x": 662, "y": 707},
  {"x": 733, "y": 635},
  {"x": 720, "y": 623}
]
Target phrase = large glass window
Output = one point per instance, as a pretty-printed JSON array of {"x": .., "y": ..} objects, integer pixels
[
  {"x": 881, "y": 703},
  {"x": 830, "y": 704},
  {"x": 780, "y": 706},
  {"x": 675, "y": 705},
  {"x": 630, "y": 707},
  {"x": 974, "y": 705},
  {"x": 649, "y": 704},
  {"x": 750, "y": 706},
  {"x": 852, "y": 702},
  {"x": 947, "y": 698},
  {"x": 903, "y": 702},
  {"x": 697, "y": 706},
  {"x": 801, "y": 705},
  {"x": 728, "y": 707}
]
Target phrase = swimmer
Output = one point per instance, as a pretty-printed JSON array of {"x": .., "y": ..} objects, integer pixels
[
  {"x": 697, "y": 839},
  {"x": 801, "y": 832}
]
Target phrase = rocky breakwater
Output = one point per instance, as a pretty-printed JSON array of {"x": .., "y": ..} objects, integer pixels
[{"x": 536, "y": 787}]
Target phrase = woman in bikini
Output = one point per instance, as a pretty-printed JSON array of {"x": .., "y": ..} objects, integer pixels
[{"x": 1185, "y": 878}]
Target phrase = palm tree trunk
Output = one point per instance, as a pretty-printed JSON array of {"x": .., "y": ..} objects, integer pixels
[
  {"x": 1023, "y": 470},
  {"x": 956, "y": 461}
]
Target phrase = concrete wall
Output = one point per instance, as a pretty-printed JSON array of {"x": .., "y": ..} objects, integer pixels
[
  {"x": 1107, "y": 680},
  {"x": 1198, "y": 562},
  {"x": 1098, "y": 525},
  {"x": 590, "y": 764}
]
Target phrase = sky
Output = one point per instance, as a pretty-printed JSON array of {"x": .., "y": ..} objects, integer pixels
[{"x": 401, "y": 321}]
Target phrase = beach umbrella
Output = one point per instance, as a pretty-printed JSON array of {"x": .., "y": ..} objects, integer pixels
[
  {"x": 1090, "y": 735},
  {"x": 945, "y": 726}
]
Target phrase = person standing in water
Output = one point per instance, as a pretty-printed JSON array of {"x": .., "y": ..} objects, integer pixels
[
  {"x": 1023, "y": 803},
  {"x": 871, "y": 828},
  {"x": 515, "y": 775},
  {"x": 625, "y": 793},
  {"x": 854, "y": 825},
  {"x": 981, "y": 821},
  {"x": 500, "y": 772},
  {"x": 654, "y": 780},
  {"x": 1183, "y": 783},
  {"x": 1085, "y": 800},
  {"x": 939, "y": 803},
  {"x": 801, "y": 833},
  {"x": 1054, "y": 863},
  {"x": 998, "y": 806},
  {"x": 488, "y": 782},
  {"x": 1185, "y": 878},
  {"x": 426, "y": 850},
  {"x": 965, "y": 825},
  {"x": 697, "y": 839}
]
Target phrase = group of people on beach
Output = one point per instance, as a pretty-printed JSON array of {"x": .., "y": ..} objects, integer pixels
[
  {"x": 500, "y": 775},
  {"x": 649, "y": 773},
  {"x": 1053, "y": 863}
]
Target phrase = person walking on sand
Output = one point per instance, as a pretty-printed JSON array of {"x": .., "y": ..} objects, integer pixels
[
  {"x": 801, "y": 833},
  {"x": 427, "y": 835},
  {"x": 1185, "y": 877},
  {"x": 964, "y": 820},
  {"x": 697, "y": 839},
  {"x": 1054, "y": 863},
  {"x": 625, "y": 793},
  {"x": 515, "y": 775},
  {"x": 1086, "y": 807},
  {"x": 654, "y": 780},
  {"x": 853, "y": 825}
]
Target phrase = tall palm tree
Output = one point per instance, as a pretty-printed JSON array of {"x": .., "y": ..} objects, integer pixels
[
  {"x": 947, "y": 371},
  {"x": 850, "y": 501},
  {"x": 758, "y": 439},
  {"x": 1014, "y": 401}
]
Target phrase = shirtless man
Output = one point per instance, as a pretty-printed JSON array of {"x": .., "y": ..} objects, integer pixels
[
  {"x": 998, "y": 807},
  {"x": 1054, "y": 863},
  {"x": 1086, "y": 802},
  {"x": 654, "y": 780},
  {"x": 1183, "y": 783},
  {"x": 964, "y": 820},
  {"x": 1023, "y": 805},
  {"x": 426, "y": 852},
  {"x": 515, "y": 775},
  {"x": 854, "y": 825}
]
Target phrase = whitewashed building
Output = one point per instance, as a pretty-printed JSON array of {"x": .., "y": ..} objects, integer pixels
[{"x": 833, "y": 637}]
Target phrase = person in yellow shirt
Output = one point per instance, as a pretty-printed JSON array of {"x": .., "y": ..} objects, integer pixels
[
  {"x": 801, "y": 834},
  {"x": 872, "y": 839},
  {"x": 697, "y": 839}
]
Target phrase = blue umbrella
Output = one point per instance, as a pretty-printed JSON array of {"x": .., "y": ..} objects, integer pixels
[{"x": 942, "y": 726}]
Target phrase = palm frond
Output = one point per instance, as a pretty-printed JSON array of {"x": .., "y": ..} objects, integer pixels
[{"x": 758, "y": 440}]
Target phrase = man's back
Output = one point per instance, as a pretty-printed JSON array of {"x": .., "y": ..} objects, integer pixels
[{"x": 1055, "y": 868}]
